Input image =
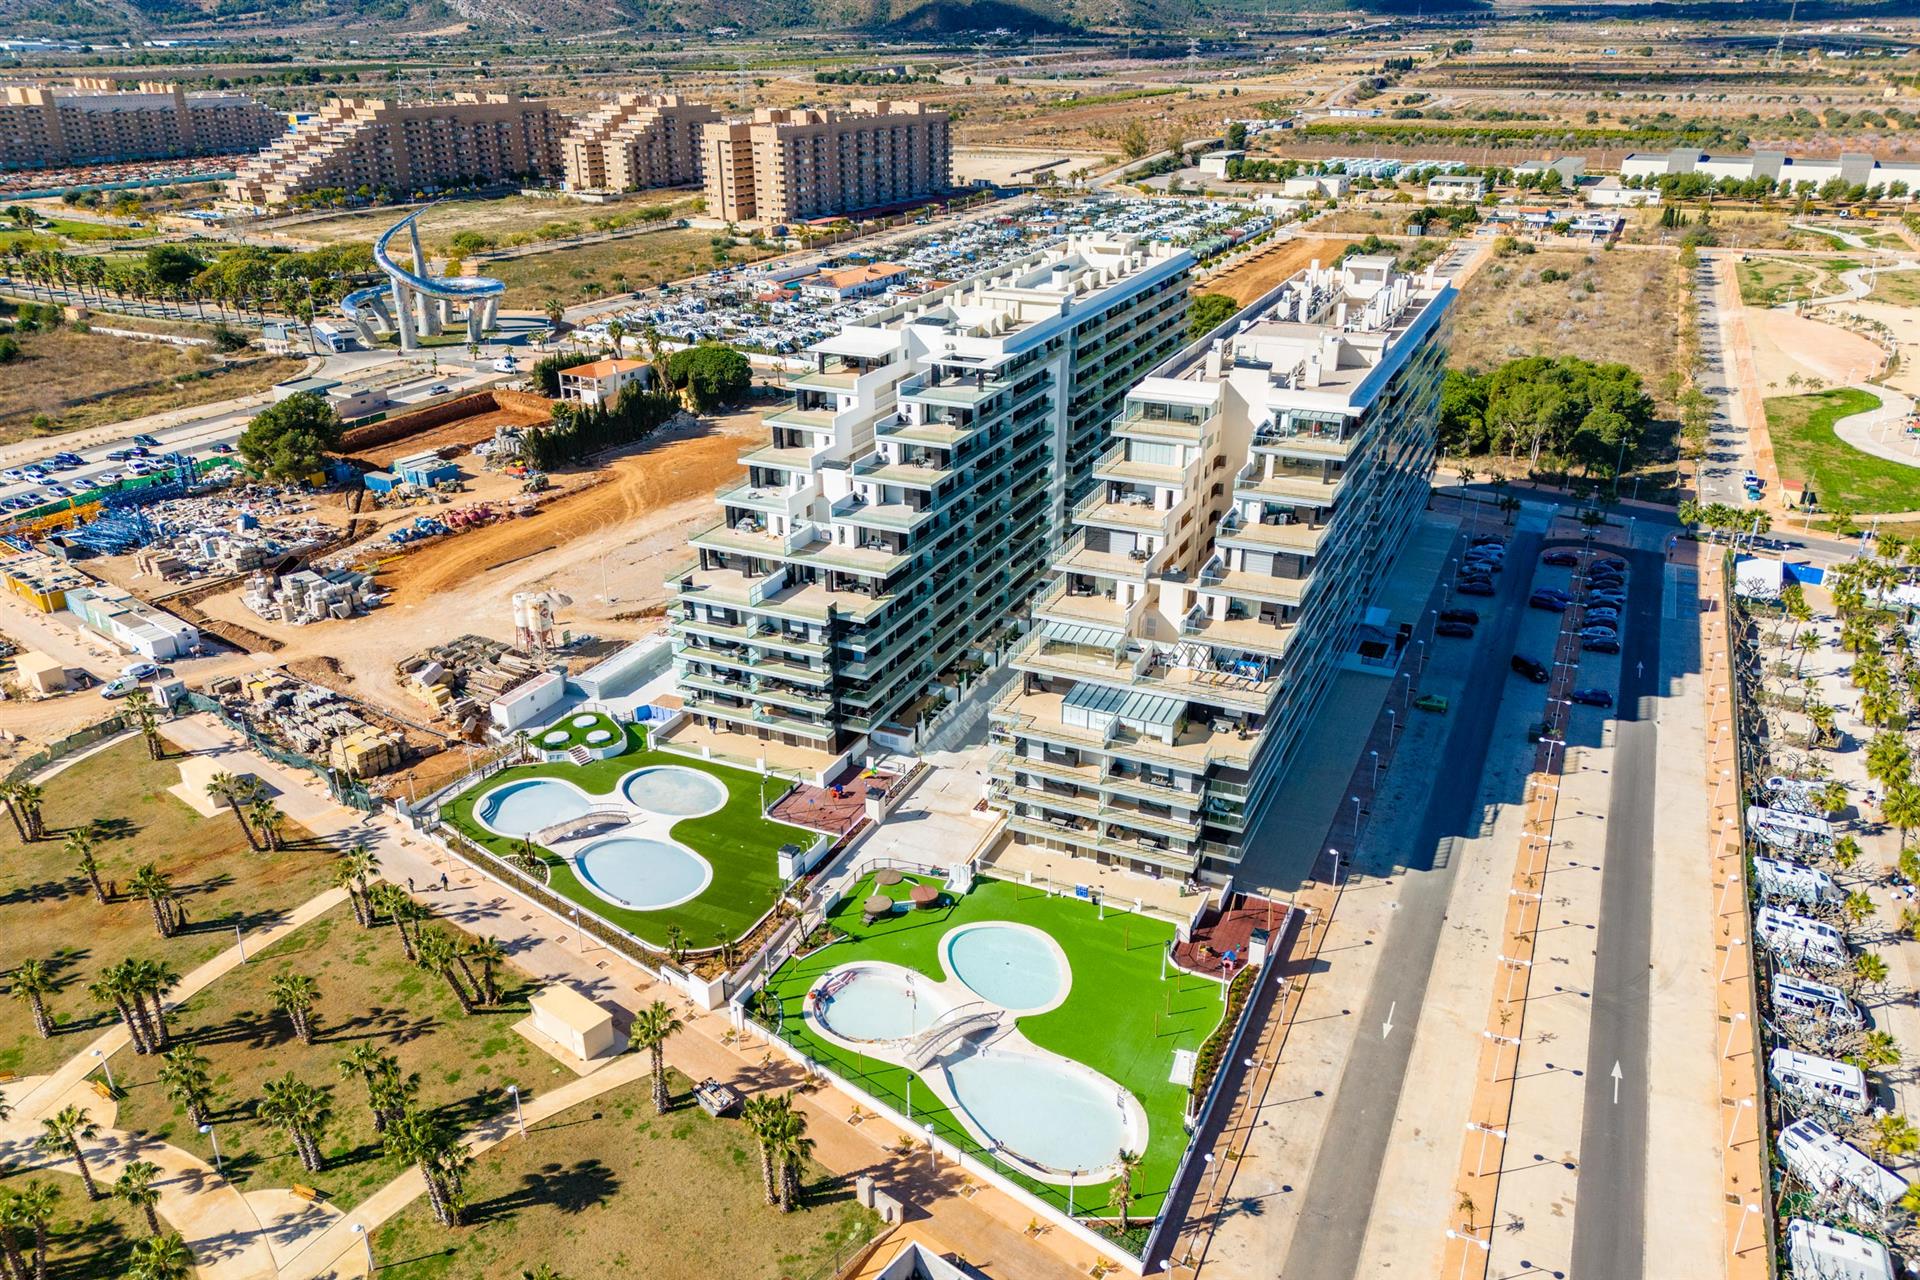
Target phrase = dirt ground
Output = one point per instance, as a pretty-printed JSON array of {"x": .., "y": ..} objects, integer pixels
[
  {"x": 500, "y": 218},
  {"x": 54, "y": 368},
  {"x": 466, "y": 433},
  {"x": 1619, "y": 305},
  {"x": 1784, "y": 343},
  {"x": 1250, "y": 279}
]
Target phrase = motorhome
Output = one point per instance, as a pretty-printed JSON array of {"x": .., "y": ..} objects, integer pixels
[
  {"x": 1782, "y": 880},
  {"x": 1799, "y": 937},
  {"x": 1797, "y": 997},
  {"x": 1820, "y": 1252},
  {"x": 1821, "y": 1081},
  {"x": 1833, "y": 1167}
]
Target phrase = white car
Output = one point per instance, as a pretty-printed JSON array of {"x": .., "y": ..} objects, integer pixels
[
  {"x": 140, "y": 671},
  {"x": 14, "y": 475}
]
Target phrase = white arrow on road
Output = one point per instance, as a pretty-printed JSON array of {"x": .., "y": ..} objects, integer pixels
[
  {"x": 1639, "y": 669},
  {"x": 1616, "y": 1084},
  {"x": 1386, "y": 1028}
]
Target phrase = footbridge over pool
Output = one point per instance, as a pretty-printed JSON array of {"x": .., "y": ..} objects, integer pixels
[{"x": 416, "y": 304}]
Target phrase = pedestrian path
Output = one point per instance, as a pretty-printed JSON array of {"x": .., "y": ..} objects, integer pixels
[{"x": 1880, "y": 431}]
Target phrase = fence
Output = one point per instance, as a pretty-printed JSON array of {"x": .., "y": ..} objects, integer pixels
[
  {"x": 78, "y": 740},
  {"x": 343, "y": 789}
]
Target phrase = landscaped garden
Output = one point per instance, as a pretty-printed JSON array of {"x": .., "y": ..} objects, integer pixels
[
  {"x": 59, "y": 933},
  {"x": 609, "y": 1188},
  {"x": 737, "y": 843},
  {"x": 1123, "y": 1016},
  {"x": 582, "y": 729},
  {"x": 84, "y": 1239},
  {"x": 1811, "y": 456}
]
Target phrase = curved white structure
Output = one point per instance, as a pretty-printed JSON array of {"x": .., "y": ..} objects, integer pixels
[{"x": 421, "y": 304}]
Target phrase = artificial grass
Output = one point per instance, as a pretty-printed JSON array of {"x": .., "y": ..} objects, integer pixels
[
  {"x": 609, "y": 1188},
  {"x": 1120, "y": 1017},
  {"x": 577, "y": 734},
  {"x": 1843, "y": 478},
  {"x": 739, "y": 843},
  {"x": 48, "y": 911}
]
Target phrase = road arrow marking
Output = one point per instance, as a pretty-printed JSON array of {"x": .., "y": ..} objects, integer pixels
[
  {"x": 1616, "y": 1083},
  {"x": 1639, "y": 668},
  {"x": 1386, "y": 1028}
]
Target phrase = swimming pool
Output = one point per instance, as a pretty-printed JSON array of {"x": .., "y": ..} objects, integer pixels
[
  {"x": 877, "y": 1002},
  {"x": 674, "y": 791},
  {"x": 522, "y": 808},
  {"x": 642, "y": 874},
  {"x": 1048, "y": 1111},
  {"x": 1016, "y": 967}
]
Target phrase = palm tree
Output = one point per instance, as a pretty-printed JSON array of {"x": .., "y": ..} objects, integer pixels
[
  {"x": 32, "y": 1208},
  {"x": 112, "y": 988},
  {"x": 23, "y": 800},
  {"x": 9, "y": 795},
  {"x": 135, "y": 1187},
  {"x": 187, "y": 1077},
  {"x": 1832, "y": 798},
  {"x": 358, "y": 866},
  {"x": 33, "y": 984},
  {"x": 13, "y": 1262},
  {"x": 79, "y": 846},
  {"x": 1877, "y": 1049},
  {"x": 138, "y": 708},
  {"x": 544, "y": 1271},
  {"x": 408, "y": 916},
  {"x": 156, "y": 887},
  {"x": 1900, "y": 808},
  {"x": 228, "y": 790},
  {"x": 441, "y": 954},
  {"x": 676, "y": 942},
  {"x": 723, "y": 942},
  {"x": 162, "y": 1258},
  {"x": 293, "y": 994},
  {"x": 792, "y": 1150},
  {"x": 652, "y": 1027},
  {"x": 62, "y": 1133},
  {"x": 1122, "y": 1195},
  {"x": 488, "y": 954},
  {"x": 267, "y": 821},
  {"x": 1808, "y": 643},
  {"x": 387, "y": 1090},
  {"x": 148, "y": 982},
  {"x": 761, "y": 1115},
  {"x": 420, "y": 1140},
  {"x": 1870, "y": 967},
  {"x": 302, "y": 1112},
  {"x": 1858, "y": 907},
  {"x": 1893, "y": 1135}
]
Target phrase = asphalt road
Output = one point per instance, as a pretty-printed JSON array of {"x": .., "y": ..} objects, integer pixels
[
  {"x": 1340, "y": 1192},
  {"x": 1729, "y": 453},
  {"x": 1609, "y": 1225}
]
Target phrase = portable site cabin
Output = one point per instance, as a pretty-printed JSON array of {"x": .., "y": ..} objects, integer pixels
[
  {"x": 1820, "y": 1252},
  {"x": 1794, "y": 936},
  {"x": 1823, "y": 1081},
  {"x": 1779, "y": 879},
  {"x": 1834, "y": 1167},
  {"x": 1794, "y": 996}
]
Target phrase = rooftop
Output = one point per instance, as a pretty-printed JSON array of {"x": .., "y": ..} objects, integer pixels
[{"x": 604, "y": 368}]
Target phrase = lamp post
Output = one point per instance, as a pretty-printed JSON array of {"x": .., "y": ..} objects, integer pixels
[
  {"x": 1356, "y": 814},
  {"x": 211, "y": 1133},
  {"x": 1375, "y": 755},
  {"x": 1748, "y": 1212},
  {"x": 519, "y": 1116},
  {"x": 240, "y": 942},
  {"x": 1746, "y": 1103},
  {"x": 106, "y": 1067},
  {"x": 933, "y": 1157},
  {"x": 360, "y": 1230}
]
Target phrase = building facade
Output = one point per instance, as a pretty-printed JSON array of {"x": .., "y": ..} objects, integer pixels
[
  {"x": 382, "y": 145},
  {"x": 793, "y": 165},
  {"x": 95, "y": 121},
  {"x": 1257, "y": 490},
  {"x": 1789, "y": 173},
  {"x": 906, "y": 502},
  {"x": 637, "y": 141}
]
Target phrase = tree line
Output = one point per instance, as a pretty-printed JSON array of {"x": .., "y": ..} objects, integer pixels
[{"x": 1560, "y": 412}]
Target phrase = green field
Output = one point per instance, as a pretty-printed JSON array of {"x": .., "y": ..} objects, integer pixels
[
  {"x": 1120, "y": 1017},
  {"x": 1768, "y": 282},
  {"x": 738, "y": 842},
  {"x": 1810, "y": 455}
]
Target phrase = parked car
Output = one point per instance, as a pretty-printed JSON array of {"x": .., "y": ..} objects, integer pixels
[
  {"x": 1600, "y": 644},
  {"x": 1431, "y": 702},
  {"x": 1477, "y": 587},
  {"x": 119, "y": 455},
  {"x": 1591, "y": 697},
  {"x": 438, "y": 389},
  {"x": 147, "y": 440},
  {"x": 13, "y": 475},
  {"x": 1491, "y": 564},
  {"x": 1610, "y": 599},
  {"x": 1481, "y": 578},
  {"x": 1600, "y": 632},
  {"x": 18, "y": 502},
  {"x": 58, "y": 490},
  {"x": 1614, "y": 563},
  {"x": 140, "y": 671},
  {"x": 139, "y": 451},
  {"x": 223, "y": 447},
  {"x": 1489, "y": 540},
  {"x": 1469, "y": 616},
  {"x": 1602, "y": 613},
  {"x": 1528, "y": 667},
  {"x": 1552, "y": 604},
  {"x": 1458, "y": 630},
  {"x": 118, "y": 688},
  {"x": 107, "y": 479},
  {"x": 1561, "y": 556}
]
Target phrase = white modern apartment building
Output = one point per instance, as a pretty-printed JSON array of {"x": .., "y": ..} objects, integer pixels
[
  {"x": 1256, "y": 492},
  {"x": 908, "y": 498}
]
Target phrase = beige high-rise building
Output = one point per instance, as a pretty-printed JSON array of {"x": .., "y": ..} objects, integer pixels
[
  {"x": 636, "y": 141},
  {"x": 792, "y": 165},
  {"x": 401, "y": 148},
  {"x": 97, "y": 121}
]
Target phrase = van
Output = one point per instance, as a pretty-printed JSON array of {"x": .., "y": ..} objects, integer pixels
[
  {"x": 1785, "y": 881},
  {"x": 1831, "y": 1166},
  {"x": 1796, "y": 997},
  {"x": 1798, "y": 937},
  {"x": 1821, "y": 1081},
  {"x": 119, "y": 688}
]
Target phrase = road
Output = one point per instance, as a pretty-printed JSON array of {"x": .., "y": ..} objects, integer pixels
[
  {"x": 1609, "y": 1224},
  {"x": 1729, "y": 452},
  {"x": 1340, "y": 1194}
]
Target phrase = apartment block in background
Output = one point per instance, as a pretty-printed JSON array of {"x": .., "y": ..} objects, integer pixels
[
  {"x": 97, "y": 121},
  {"x": 636, "y": 141},
  {"x": 903, "y": 510},
  {"x": 1256, "y": 491},
  {"x": 404, "y": 147},
  {"x": 793, "y": 165}
]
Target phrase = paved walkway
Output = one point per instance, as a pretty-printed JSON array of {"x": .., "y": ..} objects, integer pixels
[{"x": 1874, "y": 430}]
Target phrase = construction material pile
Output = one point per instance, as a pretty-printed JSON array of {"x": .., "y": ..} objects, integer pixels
[
  {"x": 314, "y": 721},
  {"x": 459, "y": 679},
  {"x": 226, "y": 533},
  {"x": 305, "y": 596}
]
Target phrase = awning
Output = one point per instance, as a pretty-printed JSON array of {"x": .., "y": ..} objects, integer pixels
[
  {"x": 1083, "y": 635},
  {"x": 1149, "y": 713}
]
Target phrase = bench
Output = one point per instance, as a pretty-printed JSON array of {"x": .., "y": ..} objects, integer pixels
[
  {"x": 100, "y": 1087},
  {"x": 312, "y": 1195}
]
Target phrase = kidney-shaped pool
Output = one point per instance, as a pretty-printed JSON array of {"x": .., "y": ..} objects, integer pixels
[
  {"x": 522, "y": 808},
  {"x": 1054, "y": 1114},
  {"x": 1012, "y": 965},
  {"x": 641, "y": 874}
]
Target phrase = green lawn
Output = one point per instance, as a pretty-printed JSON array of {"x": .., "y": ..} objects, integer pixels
[
  {"x": 608, "y": 1188},
  {"x": 48, "y": 912},
  {"x": 1902, "y": 288},
  {"x": 368, "y": 992},
  {"x": 1120, "y": 1017},
  {"x": 1811, "y": 455},
  {"x": 738, "y": 842},
  {"x": 576, "y": 735},
  {"x": 1767, "y": 282},
  {"x": 84, "y": 1241}
]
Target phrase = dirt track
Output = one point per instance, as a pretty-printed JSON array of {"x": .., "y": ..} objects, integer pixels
[
  {"x": 1260, "y": 273},
  {"x": 466, "y": 432}
]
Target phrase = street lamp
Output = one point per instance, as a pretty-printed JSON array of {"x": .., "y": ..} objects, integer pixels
[
  {"x": 106, "y": 1067},
  {"x": 519, "y": 1117},
  {"x": 360, "y": 1230},
  {"x": 933, "y": 1157},
  {"x": 1375, "y": 755},
  {"x": 208, "y": 1129},
  {"x": 1356, "y": 815}
]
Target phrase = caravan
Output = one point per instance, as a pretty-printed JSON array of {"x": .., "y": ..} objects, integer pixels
[
  {"x": 1795, "y": 997},
  {"x": 1821, "y": 1081},
  {"x": 1798, "y": 937},
  {"x": 1833, "y": 1167},
  {"x": 1782, "y": 880},
  {"x": 1820, "y": 1252}
]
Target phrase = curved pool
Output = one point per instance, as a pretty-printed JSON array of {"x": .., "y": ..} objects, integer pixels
[
  {"x": 874, "y": 1002},
  {"x": 674, "y": 791},
  {"x": 641, "y": 874},
  {"x": 1049, "y": 1112},
  {"x": 1016, "y": 967},
  {"x": 522, "y": 808}
]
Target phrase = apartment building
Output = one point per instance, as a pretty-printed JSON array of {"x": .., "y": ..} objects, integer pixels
[
  {"x": 792, "y": 165},
  {"x": 636, "y": 141},
  {"x": 96, "y": 121},
  {"x": 905, "y": 504},
  {"x": 403, "y": 147},
  {"x": 1788, "y": 172},
  {"x": 1255, "y": 493}
]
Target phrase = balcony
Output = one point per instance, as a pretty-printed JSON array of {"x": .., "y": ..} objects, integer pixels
[
  {"x": 1096, "y": 608},
  {"x": 731, "y": 587},
  {"x": 761, "y": 717},
  {"x": 832, "y": 375},
  {"x": 875, "y": 558},
  {"x": 1053, "y": 801},
  {"x": 1158, "y": 824},
  {"x": 791, "y": 503},
  {"x": 1306, "y": 486},
  {"x": 1114, "y": 464},
  {"x": 783, "y": 459},
  {"x": 1135, "y": 425},
  {"x": 1134, "y": 512},
  {"x": 1075, "y": 556},
  {"x": 1252, "y": 586},
  {"x": 919, "y": 471},
  {"x": 1303, "y": 443},
  {"x": 966, "y": 395},
  {"x": 901, "y": 516},
  {"x": 1245, "y": 633},
  {"x": 1008, "y": 764},
  {"x": 1294, "y": 536},
  {"x": 1040, "y": 653},
  {"x": 802, "y": 419}
]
